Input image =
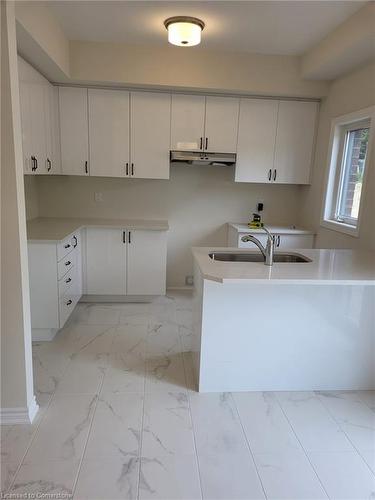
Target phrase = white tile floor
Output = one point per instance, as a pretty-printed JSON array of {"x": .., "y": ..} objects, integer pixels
[{"x": 120, "y": 419}]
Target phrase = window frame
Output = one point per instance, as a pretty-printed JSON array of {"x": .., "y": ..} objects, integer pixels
[{"x": 335, "y": 163}]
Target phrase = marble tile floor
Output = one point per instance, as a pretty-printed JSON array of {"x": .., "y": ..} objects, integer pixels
[{"x": 120, "y": 419}]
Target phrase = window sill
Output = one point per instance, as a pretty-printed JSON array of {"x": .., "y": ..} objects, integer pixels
[{"x": 341, "y": 227}]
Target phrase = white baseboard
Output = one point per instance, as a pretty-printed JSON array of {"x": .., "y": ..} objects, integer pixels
[
  {"x": 12, "y": 416},
  {"x": 180, "y": 288},
  {"x": 117, "y": 298},
  {"x": 43, "y": 334}
]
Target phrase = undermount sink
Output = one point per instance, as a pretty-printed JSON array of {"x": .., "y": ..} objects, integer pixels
[{"x": 257, "y": 257}]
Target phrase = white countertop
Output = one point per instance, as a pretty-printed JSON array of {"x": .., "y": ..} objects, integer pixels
[
  {"x": 51, "y": 229},
  {"x": 328, "y": 267},
  {"x": 244, "y": 228}
]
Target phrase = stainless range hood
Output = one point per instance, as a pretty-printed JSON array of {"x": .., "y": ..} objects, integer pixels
[{"x": 199, "y": 158}]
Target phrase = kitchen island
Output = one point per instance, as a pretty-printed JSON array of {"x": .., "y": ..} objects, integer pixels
[{"x": 290, "y": 326}]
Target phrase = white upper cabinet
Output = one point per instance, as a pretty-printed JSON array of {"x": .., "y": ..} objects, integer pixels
[
  {"x": 187, "y": 122},
  {"x": 109, "y": 132},
  {"x": 147, "y": 253},
  {"x": 275, "y": 141},
  {"x": 221, "y": 124},
  {"x": 74, "y": 131},
  {"x": 28, "y": 163},
  {"x": 256, "y": 140},
  {"x": 150, "y": 130},
  {"x": 204, "y": 123},
  {"x": 295, "y": 141},
  {"x": 38, "y": 135},
  {"x": 52, "y": 131},
  {"x": 39, "y": 121}
]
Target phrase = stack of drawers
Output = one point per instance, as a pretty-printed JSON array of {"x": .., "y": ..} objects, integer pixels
[
  {"x": 68, "y": 275},
  {"x": 55, "y": 272}
]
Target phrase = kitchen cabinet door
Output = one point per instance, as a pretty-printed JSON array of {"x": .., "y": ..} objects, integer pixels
[
  {"x": 109, "y": 132},
  {"x": 294, "y": 241},
  {"x": 221, "y": 125},
  {"x": 295, "y": 141},
  {"x": 187, "y": 122},
  {"x": 105, "y": 262},
  {"x": 38, "y": 127},
  {"x": 256, "y": 140},
  {"x": 147, "y": 253},
  {"x": 26, "y": 128},
  {"x": 74, "y": 131},
  {"x": 55, "y": 130},
  {"x": 150, "y": 134}
]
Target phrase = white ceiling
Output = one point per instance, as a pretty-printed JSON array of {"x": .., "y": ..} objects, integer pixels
[{"x": 266, "y": 27}]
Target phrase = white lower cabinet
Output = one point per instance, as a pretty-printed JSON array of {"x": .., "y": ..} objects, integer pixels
[
  {"x": 125, "y": 262},
  {"x": 55, "y": 273},
  {"x": 105, "y": 262},
  {"x": 292, "y": 239},
  {"x": 147, "y": 255}
]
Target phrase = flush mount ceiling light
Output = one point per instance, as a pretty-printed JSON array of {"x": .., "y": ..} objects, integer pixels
[{"x": 184, "y": 31}]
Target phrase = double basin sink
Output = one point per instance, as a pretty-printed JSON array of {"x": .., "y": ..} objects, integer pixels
[{"x": 258, "y": 257}]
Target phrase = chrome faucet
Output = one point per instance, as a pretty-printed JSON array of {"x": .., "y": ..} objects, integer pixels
[{"x": 267, "y": 251}]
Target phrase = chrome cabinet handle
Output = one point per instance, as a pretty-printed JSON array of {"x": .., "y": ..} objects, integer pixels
[
  {"x": 274, "y": 174},
  {"x": 67, "y": 263},
  {"x": 69, "y": 302},
  {"x": 201, "y": 143},
  {"x": 269, "y": 174},
  {"x": 75, "y": 241},
  {"x": 86, "y": 167},
  {"x": 206, "y": 143}
]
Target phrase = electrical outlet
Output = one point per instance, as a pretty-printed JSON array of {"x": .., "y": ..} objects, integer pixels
[
  {"x": 98, "y": 197},
  {"x": 189, "y": 280}
]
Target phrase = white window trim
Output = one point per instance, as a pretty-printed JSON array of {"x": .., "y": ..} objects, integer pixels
[{"x": 334, "y": 151}]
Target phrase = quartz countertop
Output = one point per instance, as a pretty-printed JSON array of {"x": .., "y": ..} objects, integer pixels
[
  {"x": 51, "y": 229},
  {"x": 244, "y": 228},
  {"x": 327, "y": 267}
]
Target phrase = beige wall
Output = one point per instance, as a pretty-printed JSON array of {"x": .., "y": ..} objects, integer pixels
[
  {"x": 38, "y": 28},
  {"x": 197, "y": 69},
  {"x": 31, "y": 197},
  {"x": 196, "y": 201},
  {"x": 347, "y": 94},
  {"x": 16, "y": 359}
]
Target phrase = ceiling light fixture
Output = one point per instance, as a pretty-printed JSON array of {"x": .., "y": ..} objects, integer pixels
[{"x": 184, "y": 31}]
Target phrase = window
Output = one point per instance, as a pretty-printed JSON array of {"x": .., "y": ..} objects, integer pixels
[{"x": 349, "y": 150}]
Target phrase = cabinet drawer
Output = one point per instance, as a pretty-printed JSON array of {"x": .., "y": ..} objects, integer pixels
[
  {"x": 67, "y": 245},
  {"x": 67, "y": 303},
  {"x": 66, "y": 264},
  {"x": 67, "y": 281}
]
